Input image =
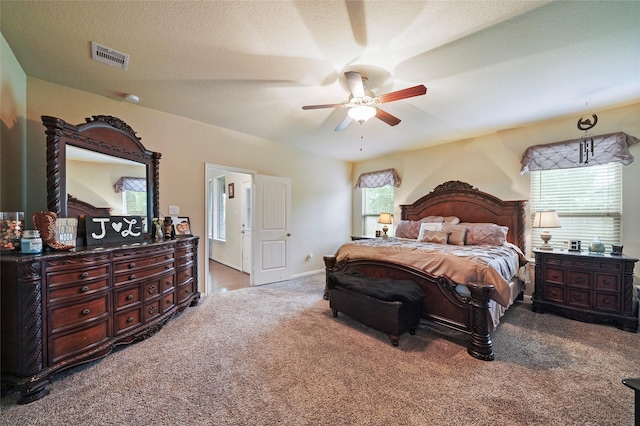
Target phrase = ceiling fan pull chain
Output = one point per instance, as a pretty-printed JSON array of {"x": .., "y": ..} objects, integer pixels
[{"x": 361, "y": 134}]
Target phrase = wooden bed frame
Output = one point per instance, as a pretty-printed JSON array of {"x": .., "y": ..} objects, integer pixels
[{"x": 443, "y": 305}]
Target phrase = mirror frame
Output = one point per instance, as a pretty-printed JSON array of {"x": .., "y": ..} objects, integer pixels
[{"x": 103, "y": 134}]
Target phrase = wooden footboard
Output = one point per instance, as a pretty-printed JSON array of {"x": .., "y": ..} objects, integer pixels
[{"x": 442, "y": 304}]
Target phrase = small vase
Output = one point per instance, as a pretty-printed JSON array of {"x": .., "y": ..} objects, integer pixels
[{"x": 596, "y": 246}]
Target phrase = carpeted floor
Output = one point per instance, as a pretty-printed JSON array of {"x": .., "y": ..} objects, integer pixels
[{"x": 275, "y": 355}]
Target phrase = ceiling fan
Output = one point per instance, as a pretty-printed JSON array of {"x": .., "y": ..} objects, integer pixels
[{"x": 363, "y": 103}]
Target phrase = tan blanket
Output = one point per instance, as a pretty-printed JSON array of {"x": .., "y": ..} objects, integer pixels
[{"x": 494, "y": 265}]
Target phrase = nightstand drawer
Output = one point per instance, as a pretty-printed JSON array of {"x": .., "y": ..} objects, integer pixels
[
  {"x": 579, "y": 298},
  {"x": 554, "y": 275},
  {"x": 607, "y": 302},
  {"x": 579, "y": 279},
  {"x": 554, "y": 293},
  {"x": 607, "y": 282}
]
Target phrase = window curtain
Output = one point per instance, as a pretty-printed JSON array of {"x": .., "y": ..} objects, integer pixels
[
  {"x": 609, "y": 148},
  {"x": 126, "y": 183},
  {"x": 378, "y": 179}
]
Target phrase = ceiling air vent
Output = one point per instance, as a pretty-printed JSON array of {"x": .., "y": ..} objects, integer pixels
[{"x": 109, "y": 56}]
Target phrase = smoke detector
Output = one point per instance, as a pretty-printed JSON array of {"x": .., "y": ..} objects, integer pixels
[{"x": 109, "y": 56}]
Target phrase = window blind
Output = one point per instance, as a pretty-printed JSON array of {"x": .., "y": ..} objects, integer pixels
[{"x": 588, "y": 201}]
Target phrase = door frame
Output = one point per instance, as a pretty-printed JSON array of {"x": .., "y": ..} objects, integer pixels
[{"x": 209, "y": 168}]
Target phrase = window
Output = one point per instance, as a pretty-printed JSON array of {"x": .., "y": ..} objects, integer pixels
[
  {"x": 134, "y": 203},
  {"x": 588, "y": 201},
  {"x": 219, "y": 209},
  {"x": 376, "y": 201}
]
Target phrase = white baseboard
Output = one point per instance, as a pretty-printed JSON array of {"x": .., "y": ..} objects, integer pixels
[{"x": 304, "y": 274}]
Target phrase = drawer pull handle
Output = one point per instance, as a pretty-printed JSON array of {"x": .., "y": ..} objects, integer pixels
[
  {"x": 152, "y": 309},
  {"x": 130, "y": 319},
  {"x": 554, "y": 275},
  {"x": 132, "y": 276},
  {"x": 606, "y": 281},
  {"x": 152, "y": 289},
  {"x": 554, "y": 293},
  {"x": 84, "y": 289},
  {"x": 84, "y": 275},
  {"x": 579, "y": 279},
  {"x": 168, "y": 284},
  {"x": 188, "y": 275},
  {"x": 578, "y": 297},
  {"x": 132, "y": 265},
  {"x": 606, "y": 301},
  {"x": 85, "y": 312},
  {"x": 168, "y": 302},
  {"x": 129, "y": 296}
]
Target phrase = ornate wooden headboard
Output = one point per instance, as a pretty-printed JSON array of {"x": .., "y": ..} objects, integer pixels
[{"x": 455, "y": 198}]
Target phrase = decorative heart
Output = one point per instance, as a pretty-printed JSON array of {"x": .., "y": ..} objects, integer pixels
[{"x": 117, "y": 226}]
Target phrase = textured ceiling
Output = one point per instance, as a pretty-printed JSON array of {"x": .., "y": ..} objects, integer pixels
[{"x": 250, "y": 66}]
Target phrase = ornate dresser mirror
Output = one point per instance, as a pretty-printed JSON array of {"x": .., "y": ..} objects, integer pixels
[{"x": 85, "y": 161}]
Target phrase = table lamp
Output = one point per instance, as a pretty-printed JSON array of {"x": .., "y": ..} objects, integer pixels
[
  {"x": 385, "y": 218},
  {"x": 546, "y": 219}
]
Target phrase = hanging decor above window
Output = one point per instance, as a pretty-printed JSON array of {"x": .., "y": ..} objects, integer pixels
[{"x": 587, "y": 144}]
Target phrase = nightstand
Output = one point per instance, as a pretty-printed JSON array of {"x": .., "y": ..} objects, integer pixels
[
  {"x": 586, "y": 287},
  {"x": 361, "y": 237}
]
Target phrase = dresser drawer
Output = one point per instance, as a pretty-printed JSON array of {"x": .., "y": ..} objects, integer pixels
[
  {"x": 579, "y": 279},
  {"x": 60, "y": 294},
  {"x": 168, "y": 301},
  {"x": 67, "y": 345},
  {"x": 127, "y": 297},
  {"x": 555, "y": 275},
  {"x": 78, "y": 313},
  {"x": 78, "y": 275},
  {"x": 132, "y": 264},
  {"x": 184, "y": 276},
  {"x": 152, "y": 310},
  {"x": 135, "y": 275},
  {"x": 128, "y": 320},
  {"x": 185, "y": 260}
]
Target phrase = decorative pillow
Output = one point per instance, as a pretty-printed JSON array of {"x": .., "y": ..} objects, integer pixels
[
  {"x": 408, "y": 229},
  {"x": 456, "y": 233},
  {"x": 425, "y": 227},
  {"x": 486, "y": 234},
  {"x": 432, "y": 219},
  {"x": 453, "y": 220},
  {"x": 439, "y": 237}
]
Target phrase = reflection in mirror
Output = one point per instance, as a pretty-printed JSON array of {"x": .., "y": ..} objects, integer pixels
[{"x": 106, "y": 181}]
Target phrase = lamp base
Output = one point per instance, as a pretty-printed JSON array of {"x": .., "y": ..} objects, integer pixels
[
  {"x": 384, "y": 230},
  {"x": 546, "y": 237}
]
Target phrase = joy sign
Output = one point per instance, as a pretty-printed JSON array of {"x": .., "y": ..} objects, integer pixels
[{"x": 111, "y": 229}]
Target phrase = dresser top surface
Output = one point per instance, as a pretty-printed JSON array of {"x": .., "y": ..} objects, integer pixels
[{"x": 586, "y": 254}]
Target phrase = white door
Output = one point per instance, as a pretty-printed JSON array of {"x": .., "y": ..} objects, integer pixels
[
  {"x": 271, "y": 236},
  {"x": 247, "y": 217}
]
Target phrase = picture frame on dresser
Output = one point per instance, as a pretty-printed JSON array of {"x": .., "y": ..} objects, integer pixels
[{"x": 181, "y": 226}]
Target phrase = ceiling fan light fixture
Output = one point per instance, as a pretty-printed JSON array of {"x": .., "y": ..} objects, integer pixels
[{"x": 362, "y": 113}]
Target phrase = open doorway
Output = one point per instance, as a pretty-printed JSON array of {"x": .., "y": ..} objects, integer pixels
[{"x": 229, "y": 202}]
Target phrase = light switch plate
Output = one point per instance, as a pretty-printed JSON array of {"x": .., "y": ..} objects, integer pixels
[{"x": 174, "y": 209}]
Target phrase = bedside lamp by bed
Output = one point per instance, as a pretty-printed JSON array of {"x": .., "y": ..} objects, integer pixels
[
  {"x": 546, "y": 219},
  {"x": 385, "y": 218}
]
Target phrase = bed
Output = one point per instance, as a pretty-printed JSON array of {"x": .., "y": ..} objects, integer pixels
[{"x": 472, "y": 306}]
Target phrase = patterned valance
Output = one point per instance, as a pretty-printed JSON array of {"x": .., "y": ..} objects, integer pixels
[
  {"x": 607, "y": 148},
  {"x": 378, "y": 179},
  {"x": 126, "y": 183}
]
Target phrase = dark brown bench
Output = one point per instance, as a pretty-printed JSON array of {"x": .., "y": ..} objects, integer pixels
[{"x": 390, "y": 306}]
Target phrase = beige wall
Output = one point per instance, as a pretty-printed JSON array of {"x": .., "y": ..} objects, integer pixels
[
  {"x": 491, "y": 163},
  {"x": 318, "y": 183},
  {"x": 13, "y": 106}
]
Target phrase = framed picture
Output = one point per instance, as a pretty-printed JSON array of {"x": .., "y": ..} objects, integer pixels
[
  {"x": 232, "y": 192},
  {"x": 181, "y": 226}
]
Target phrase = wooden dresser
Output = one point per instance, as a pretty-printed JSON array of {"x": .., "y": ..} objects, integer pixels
[
  {"x": 61, "y": 309},
  {"x": 586, "y": 287}
]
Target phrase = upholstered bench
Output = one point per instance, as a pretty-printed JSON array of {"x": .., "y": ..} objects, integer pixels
[{"x": 389, "y": 306}]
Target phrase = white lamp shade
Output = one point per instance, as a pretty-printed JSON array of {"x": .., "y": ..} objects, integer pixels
[
  {"x": 385, "y": 218},
  {"x": 546, "y": 219},
  {"x": 362, "y": 112}
]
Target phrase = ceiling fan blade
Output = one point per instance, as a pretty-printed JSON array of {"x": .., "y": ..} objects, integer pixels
[
  {"x": 354, "y": 80},
  {"x": 403, "y": 94},
  {"x": 344, "y": 123},
  {"x": 324, "y": 106},
  {"x": 386, "y": 117}
]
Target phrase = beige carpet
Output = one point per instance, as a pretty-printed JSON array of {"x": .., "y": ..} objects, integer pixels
[{"x": 275, "y": 355}]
